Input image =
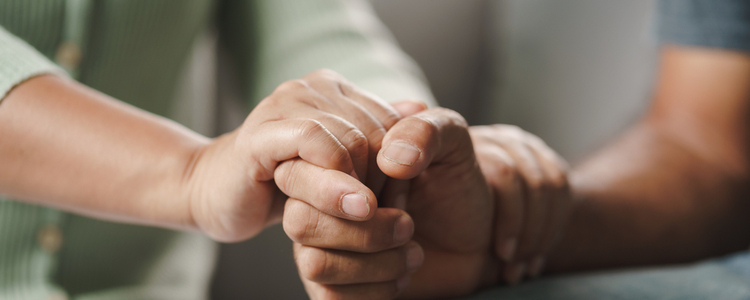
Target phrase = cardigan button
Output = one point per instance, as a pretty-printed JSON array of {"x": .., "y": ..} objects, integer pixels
[
  {"x": 68, "y": 55},
  {"x": 50, "y": 238},
  {"x": 57, "y": 296}
]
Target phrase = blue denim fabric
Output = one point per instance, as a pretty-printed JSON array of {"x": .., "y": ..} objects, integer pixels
[
  {"x": 725, "y": 278},
  {"x": 707, "y": 23}
]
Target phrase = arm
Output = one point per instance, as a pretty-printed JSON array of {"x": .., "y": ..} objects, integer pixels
[
  {"x": 55, "y": 133},
  {"x": 272, "y": 41},
  {"x": 674, "y": 188},
  {"x": 275, "y": 40},
  {"x": 69, "y": 147}
]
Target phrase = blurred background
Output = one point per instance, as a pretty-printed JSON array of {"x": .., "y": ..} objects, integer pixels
[{"x": 573, "y": 72}]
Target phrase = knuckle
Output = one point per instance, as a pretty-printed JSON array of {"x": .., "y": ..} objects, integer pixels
[
  {"x": 301, "y": 223},
  {"x": 535, "y": 183},
  {"x": 291, "y": 86},
  {"x": 510, "y": 131},
  {"x": 389, "y": 118},
  {"x": 325, "y": 73},
  {"x": 507, "y": 127},
  {"x": 341, "y": 159},
  {"x": 325, "y": 76},
  {"x": 375, "y": 136},
  {"x": 315, "y": 264},
  {"x": 482, "y": 133},
  {"x": 356, "y": 142},
  {"x": 559, "y": 181},
  {"x": 456, "y": 118},
  {"x": 506, "y": 171},
  {"x": 309, "y": 129}
]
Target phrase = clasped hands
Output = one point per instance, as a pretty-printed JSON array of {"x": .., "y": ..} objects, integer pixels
[{"x": 383, "y": 200}]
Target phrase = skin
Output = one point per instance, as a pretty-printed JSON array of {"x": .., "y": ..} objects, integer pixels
[
  {"x": 428, "y": 153},
  {"x": 674, "y": 188},
  {"x": 533, "y": 200},
  {"x": 315, "y": 140},
  {"x": 67, "y": 146},
  {"x": 458, "y": 212}
]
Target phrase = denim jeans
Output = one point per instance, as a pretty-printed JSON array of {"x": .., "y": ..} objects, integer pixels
[{"x": 726, "y": 278}]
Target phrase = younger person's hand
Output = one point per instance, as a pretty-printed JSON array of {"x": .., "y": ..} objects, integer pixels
[
  {"x": 328, "y": 130},
  {"x": 531, "y": 192}
]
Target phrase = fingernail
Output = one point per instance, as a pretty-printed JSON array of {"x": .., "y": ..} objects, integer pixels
[
  {"x": 516, "y": 273},
  {"x": 536, "y": 266},
  {"x": 507, "y": 249},
  {"x": 402, "y": 283},
  {"x": 355, "y": 205},
  {"x": 402, "y": 153},
  {"x": 403, "y": 229},
  {"x": 414, "y": 257}
]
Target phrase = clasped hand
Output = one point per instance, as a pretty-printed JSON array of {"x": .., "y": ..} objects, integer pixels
[{"x": 383, "y": 200}]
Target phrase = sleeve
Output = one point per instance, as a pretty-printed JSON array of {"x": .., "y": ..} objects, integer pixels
[
  {"x": 705, "y": 23},
  {"x": 19, "y": 61},
  {"x": 287, "y": 39}
]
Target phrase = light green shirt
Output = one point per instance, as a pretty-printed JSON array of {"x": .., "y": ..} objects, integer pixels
[{"x": 134, "y": 51}]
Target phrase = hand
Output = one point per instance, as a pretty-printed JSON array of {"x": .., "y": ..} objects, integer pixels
[
  {"x": 532, "y": 196},
  {"x": 451, "y": 220},
  {"x": 328, "y": 130}
]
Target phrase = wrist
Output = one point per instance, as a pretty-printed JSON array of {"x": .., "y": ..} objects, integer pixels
[{"x": 168, "y": 201}]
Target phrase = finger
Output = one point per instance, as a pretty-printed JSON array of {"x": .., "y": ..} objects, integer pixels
[
  {"x": 282, "y": 140},
  {"x": 366, "y": 111},
  {"x": 536, "y": 209},
  {"x": 542, "y": 149},
  {"x": 355, "y": 141},
  {"x": 330, "y": 191},
  {"x": 499, "y": 170},
  {"x": 408, "y": 108},
  {"x": 366, "y": 291},
  {"x": 335, "y": 86},
  {"x": 388, "y": 228},
  {"x": 556, "y": 184},
  {"x": 436, "y": 134},
  {"x": 327, "y": 266}
]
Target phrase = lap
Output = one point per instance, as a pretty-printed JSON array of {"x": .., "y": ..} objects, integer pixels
[{"x": 723, "y": 278}]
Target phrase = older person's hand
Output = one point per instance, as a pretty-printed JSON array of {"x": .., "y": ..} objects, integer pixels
[
  {"x": 533, "y": 200},
  {"x": 440, "y": 196}
]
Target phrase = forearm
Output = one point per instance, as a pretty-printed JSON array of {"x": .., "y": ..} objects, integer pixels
[
  {"x": 344, "y": 36},
  {"x": 648, "y": 199},
  {"x": 66, "y": 146},
  {"x": 675, "y": 188}
]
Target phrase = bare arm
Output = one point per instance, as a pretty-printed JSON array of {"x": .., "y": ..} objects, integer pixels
[
  {"x": 66, "y": 146},
  {"x": 70, "y": 147},
  {"x": 674, "y": 188}
]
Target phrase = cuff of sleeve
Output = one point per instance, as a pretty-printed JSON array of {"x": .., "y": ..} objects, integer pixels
[
  {"x": 19, "y": 61},
  {"x": 705, "y": 23}
]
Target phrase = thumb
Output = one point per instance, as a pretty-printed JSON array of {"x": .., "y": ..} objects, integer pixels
[
  {"x": 409, "y": 107},
  {"x": 434, "y": 135}
]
